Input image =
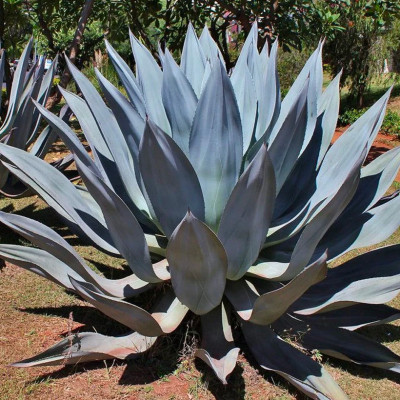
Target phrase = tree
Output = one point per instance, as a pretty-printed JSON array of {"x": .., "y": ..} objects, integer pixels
[
  {"x": 365, "y": 22},
  {"x": 73, "y": 51},
  {"x": 294, "y": 21}
]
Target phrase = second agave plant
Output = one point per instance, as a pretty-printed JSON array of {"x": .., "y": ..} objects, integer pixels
[
  {"x": 233, "y": 201},
  {"x": 20, "y": 127}
]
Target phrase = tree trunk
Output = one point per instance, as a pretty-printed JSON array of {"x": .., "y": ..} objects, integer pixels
[
  {"x": 73, "y": 51},
  {"x": 45, "y": 28}
]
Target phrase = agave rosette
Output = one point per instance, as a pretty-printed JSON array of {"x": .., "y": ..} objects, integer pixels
[
  {"x": 242, "y": 200},
  {"x": 21, "y": 125}
]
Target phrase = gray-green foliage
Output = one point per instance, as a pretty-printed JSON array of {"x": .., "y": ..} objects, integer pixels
[
  {"x": 21, "y": 126},
  {"x": 242, "y": 199}
]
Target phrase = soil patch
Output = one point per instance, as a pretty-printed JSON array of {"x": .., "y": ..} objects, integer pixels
[{"x": 381, "y": 145}]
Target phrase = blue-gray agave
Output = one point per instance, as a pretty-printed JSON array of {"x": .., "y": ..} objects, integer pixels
[
  {"x": 20, "y": 127},
  {"x": 240, "y": 196}
]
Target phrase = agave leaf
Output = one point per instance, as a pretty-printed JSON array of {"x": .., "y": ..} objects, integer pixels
[
  {"x": 372, "y": 278},
  {"x": 270, "y": 101},
  {"x": 45, "y": 238},
  {"x": 376, "y": 178},
  {"x": 243, "y": 85},
  {"x": 291, "y": 97},
  {"x": 345, "y": 152},
  {"x": 250, "y": 42},
  {"x": 68, "y": 136},
  {"x": 313, "y": 96},
  {"x": 361, "y": 230},
  {"x": 128, "y": 80},
  {"x": 150, "y": 78},
  {"x": 355, "y": 317},
  {"x": 286, "y": 148},
  {"x": 210, "y": 48},
  {"x": 179, "y": 100},
  {"x": 48, "y": 136},
  {"x": 274, "y": 354},
  {"x": 169, "y": 312},
  {"x": 128, "y": 314},
  {"x": 114, "y": 171},
  {"x": 48, "y": 240},
  {"x": 217, "y": 347},
  {"x": 299, "y": 186},
  {"x": 58, "y": 192},
  {"x": 16, "y": 90},
  {"x": 350, "y": 346},
  {"x": 316, "y": 228},
  {"x": 193, "y": 61},
  {"x": 129, "y": 120},
  {"x": 304, "y": 249},
  {"x": 39, "y": 262},
  {"x": 247, "y": 215},
  {"x": 328, "y": 107},
  {"x": 207, "y": 73},
  {"x": 132, "y": 127},
  {"x": 216, "y": 143},
  {"x": 26, "y": 116},
  {"x": 124, "y": 228},
  {"x": 270, "y": 306},
  {"x": 44, "y": 92},
  {"x": 115, "y": 142},
  {"x": 89, "y": 346},
  {"x": 161, "y": 158},
  {"x": 198, "y": 265},
  {"x": 266, "y": 308},
  {"x": 288, "y": 225},
  {"x": 92, "y": 132}
]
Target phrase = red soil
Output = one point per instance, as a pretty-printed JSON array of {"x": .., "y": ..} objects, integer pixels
[{"x": 381, "y": 144}]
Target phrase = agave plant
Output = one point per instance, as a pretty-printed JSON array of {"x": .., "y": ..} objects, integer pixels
[
  {"x": 21, "y": 125},
  {"x": 231, "y": 200}
]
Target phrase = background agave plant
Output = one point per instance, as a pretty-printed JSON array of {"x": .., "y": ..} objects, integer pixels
[
  {"x": 232, "y": 202},
  {"x": 21, "y": 125}
]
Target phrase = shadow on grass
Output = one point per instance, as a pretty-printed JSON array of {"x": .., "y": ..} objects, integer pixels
[
  {"x": 92, "y": 319},
  {"x": 45, "y": 215},
  {"x": 109, "y": 272}
]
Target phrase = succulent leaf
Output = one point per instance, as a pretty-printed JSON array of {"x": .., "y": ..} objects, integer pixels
[
  {"x": 372, "y": 278},
  {"x": 216, "y": 143},
  {"x": 272, "y": 353},
  {"x": 247, "y": 215},
  {"x": 161, "y": 158},
  {"x": 217, "y": 346},
  {"x": 193, "y": 60},
  {"x": 149, "y": 77},
  {"x": 89, "y": 346},
  {"x": 128, "y": 79},
  {"x": 198, "y": 265},
  {"x": 179, "y": 100}
]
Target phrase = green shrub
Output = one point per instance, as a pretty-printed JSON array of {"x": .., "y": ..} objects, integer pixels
[
  {"x": 390, "y": 125},
  {"x": 289, "y": 66},
  {"x": 350, "y": 116}
]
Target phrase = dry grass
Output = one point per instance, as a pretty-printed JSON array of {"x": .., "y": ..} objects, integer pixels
[{"x": 35, "y": 314}]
